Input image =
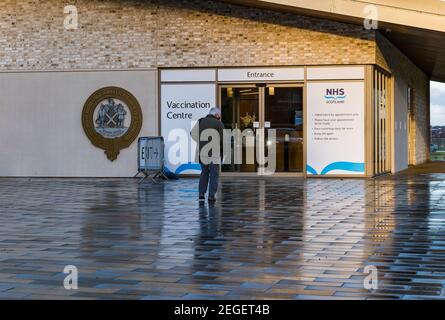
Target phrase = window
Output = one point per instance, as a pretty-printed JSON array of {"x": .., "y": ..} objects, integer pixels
[
  {"x": 382, "y": 128},
  {"x": 411, "y": 127}
]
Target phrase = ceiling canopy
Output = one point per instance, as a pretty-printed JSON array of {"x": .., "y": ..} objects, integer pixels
[{"x": 417, "y": 28}]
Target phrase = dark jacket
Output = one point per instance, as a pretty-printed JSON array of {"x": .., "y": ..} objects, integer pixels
[{"x": 208, "y": 122}]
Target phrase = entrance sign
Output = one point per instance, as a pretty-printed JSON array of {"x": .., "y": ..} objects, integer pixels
[
  {"x": 336, "y": 128},
  {"x": 260, "y": 74},
  {"x": 182, "y": 105}
]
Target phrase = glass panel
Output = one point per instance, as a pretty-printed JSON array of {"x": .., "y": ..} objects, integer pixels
[
  {"x": 411, "y": 127},
  {"x": 381, "y": 124},
  {"x": 382, "y": 161},
  {"x": 387, "y": 125},
  {"x": 240, "y": 110},
  {"x": 284, "y": 113},
  {"x": 376, "y": 121}
]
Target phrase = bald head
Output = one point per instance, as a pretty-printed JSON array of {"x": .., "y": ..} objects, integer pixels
[{"x": 216, "y": 112}]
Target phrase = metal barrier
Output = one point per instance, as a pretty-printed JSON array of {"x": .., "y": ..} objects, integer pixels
[{"x": 151, "y": 158}]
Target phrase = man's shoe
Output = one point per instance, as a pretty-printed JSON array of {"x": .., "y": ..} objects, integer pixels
[
  {"x": 212, "y": 199},
  {"x": 201, "y": 197}
]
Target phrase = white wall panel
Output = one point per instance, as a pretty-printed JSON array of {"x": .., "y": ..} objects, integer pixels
[{"x": 41, "y": 130}]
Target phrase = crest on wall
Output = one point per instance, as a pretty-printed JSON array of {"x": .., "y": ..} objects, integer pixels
[{"x": 112, "y": 120}]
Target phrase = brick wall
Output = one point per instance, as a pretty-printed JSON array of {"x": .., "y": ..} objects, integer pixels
[
  {"x": 118, "y": 34},
  {"x": 407, "y": 74},
  {"x": 151, "y": 33}
]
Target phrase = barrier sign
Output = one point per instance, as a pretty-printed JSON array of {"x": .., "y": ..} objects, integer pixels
[{"x": 151, "y": 156}]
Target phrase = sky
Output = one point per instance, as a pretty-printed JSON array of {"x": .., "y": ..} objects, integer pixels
[{"x": 437, "y": 103}]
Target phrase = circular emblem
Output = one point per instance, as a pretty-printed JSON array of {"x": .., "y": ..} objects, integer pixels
[{"x": 112, "y": 120}]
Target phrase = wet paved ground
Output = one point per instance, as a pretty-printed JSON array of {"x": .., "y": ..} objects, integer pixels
[{"x": 275, "y": 238}]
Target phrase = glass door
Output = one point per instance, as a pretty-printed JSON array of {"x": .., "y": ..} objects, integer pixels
[
  {"x": 254, "y": 110},
  {"x": 240, "y": 108},
  {"x": 284, "y": 113}
]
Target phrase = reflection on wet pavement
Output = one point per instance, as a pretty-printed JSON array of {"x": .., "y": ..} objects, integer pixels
[{"x": 271, "y": 238}]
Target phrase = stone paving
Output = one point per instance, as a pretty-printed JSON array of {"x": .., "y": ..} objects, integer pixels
[{"x": 271, "y": 238}]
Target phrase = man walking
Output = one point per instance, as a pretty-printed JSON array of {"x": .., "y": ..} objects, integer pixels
[{"x": 208, "y": 133}]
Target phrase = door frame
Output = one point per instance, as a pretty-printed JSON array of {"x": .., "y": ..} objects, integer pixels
[{"x": 261, "y": 109}]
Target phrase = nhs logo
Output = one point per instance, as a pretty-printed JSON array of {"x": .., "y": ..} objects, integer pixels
[{"x": 334, "y": 96}]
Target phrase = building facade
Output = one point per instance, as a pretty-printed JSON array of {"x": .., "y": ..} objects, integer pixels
[{"x": 245, "y": 60}]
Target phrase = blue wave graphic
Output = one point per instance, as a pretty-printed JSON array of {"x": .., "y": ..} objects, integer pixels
[
  {"x": 345, "y": 166},
  {"x": 188, "y": 166},
  {"x": 335, "y": 98},
  {"x": 342, "y": 165},
  {"x": 311, "y": 170}
]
